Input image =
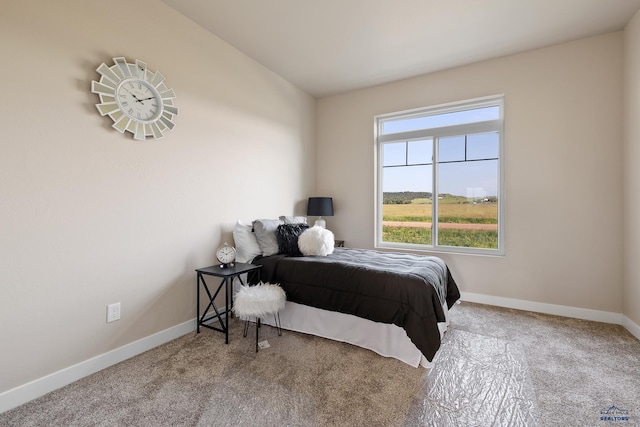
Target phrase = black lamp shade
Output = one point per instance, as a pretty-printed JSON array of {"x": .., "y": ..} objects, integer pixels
[{"x": 320, "y": 206}]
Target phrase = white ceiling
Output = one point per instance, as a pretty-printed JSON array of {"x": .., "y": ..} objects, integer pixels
[{"x": 331, "y": 46}]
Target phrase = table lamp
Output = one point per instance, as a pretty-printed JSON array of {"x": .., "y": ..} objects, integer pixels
[{"x": 320, "y": 206}]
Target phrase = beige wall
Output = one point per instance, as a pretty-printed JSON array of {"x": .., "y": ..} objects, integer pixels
[
  {"x": 89, "y": 216},
  {"x": 563, "y": 144},
  {"x": 631, "y": 171}
]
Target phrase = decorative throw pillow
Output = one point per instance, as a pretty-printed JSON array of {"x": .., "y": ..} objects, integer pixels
[
  {"x": 293, "y": 219},
  {"x": 316, "y": 241},
  {"x": 245, "y": 241},
  {"x": 265, "y": 230},
  {"x": 287, "y": 236}
]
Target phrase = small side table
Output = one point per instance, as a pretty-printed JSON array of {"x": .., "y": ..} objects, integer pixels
[
  {"x": 227, "y": 274},
  {"x": 339, "y": 244}
]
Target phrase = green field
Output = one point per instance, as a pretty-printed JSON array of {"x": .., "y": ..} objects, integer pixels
[
  {"x": 466, "y": 214},
  {"x": 451, "y": 210},
  {"x": 459, "y": 238}
]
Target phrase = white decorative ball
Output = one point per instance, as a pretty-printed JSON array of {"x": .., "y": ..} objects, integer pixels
[{"x": 316, "y": 241}]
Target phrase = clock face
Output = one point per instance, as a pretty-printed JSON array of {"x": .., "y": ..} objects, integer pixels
[
  {"x": 226, "y": 254},
  {"x": 136, "y": 99},
  {"x": 139, "y": 100}
]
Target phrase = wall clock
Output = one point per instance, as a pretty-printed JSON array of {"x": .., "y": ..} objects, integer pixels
[{"x": 136, "y": 99}]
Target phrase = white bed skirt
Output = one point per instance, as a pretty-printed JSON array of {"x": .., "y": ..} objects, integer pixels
[{"x": 385, "y": 339}]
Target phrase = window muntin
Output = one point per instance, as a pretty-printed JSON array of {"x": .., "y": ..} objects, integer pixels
[{"x": 452, "y": 204}]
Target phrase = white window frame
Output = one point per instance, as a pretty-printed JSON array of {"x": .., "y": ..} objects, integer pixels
[{"x": 487, "y": 126}]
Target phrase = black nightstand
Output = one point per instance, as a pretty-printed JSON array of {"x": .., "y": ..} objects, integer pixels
[
  {"x": 227, "y": 274},
  {"x": 339, "y": 244}
]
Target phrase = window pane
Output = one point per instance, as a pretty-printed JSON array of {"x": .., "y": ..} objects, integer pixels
[
  {"x": 394, "y": 154},
  {"x": 407, "y": 204},
  {"x": 474, "y": 115},
  {"x": 420, "y": 152},
  {"x": 407, "y": 178},
  {"x": 483, "y": 146},
  {"x": 451, "y": 149},
  {"x": 468, "y": 204}
]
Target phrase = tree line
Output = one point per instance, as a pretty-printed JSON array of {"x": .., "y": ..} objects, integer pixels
[{"x": 403, "y": 197}]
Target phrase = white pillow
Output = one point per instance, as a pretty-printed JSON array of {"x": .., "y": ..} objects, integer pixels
[
  {"x": 246, "y": 244},
  {"x": 316, "y": 241}
]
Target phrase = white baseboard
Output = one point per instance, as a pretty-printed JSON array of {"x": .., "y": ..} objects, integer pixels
[
  {"x": 36, "y": 388},
  {"x": 632, "y": 327},
  {"x": 540, "y": 307},
  {"x": 41, "y": 386},
  {"x": 557, "y": 310}
]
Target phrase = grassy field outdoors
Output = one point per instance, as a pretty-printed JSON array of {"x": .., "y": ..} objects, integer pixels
[{"x": 456, "y": 222}]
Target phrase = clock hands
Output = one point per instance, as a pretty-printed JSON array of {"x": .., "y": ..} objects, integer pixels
[
  {"x": 136, "y": 98},
  {"x": 141, "y": 100},
  {"x": 134, "y": 95}
]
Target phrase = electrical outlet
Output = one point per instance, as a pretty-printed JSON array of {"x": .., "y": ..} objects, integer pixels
[{"x": 113, "y": 312}]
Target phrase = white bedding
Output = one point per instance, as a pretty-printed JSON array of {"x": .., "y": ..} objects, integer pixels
[{"x": 385, "y": 339}]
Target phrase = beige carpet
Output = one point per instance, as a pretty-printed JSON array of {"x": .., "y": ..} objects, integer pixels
[
  {"x": 576, "y": 369},
  {"x": 477, "y": 381}
]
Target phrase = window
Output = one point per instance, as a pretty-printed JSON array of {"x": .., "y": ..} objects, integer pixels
[{"x": 439, "y": 178}]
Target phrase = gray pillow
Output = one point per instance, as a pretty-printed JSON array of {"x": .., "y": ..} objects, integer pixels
[{"x": 265, "y": 230}]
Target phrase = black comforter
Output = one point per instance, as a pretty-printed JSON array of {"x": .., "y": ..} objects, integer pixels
[{"x": 403, "y": 289}]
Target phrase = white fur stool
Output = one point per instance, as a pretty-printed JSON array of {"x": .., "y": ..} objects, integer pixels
[{"x": 259, "y": 301}]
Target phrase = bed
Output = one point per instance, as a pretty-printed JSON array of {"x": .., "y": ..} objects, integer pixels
[{"x": 395, "y": 304}]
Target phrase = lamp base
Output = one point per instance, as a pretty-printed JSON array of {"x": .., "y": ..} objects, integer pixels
[{"x": 320, "y": 223}]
